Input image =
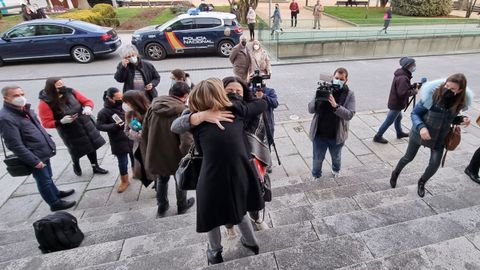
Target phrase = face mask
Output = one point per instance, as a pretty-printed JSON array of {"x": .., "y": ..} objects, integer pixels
[
  {"x": 244, "y": 43},
  {"x": 448, "y": 93},
  {"x": 62, "y": 90},
  {"x": 413, "y": 69},
  {"x": 126, "y": 107},
  {"x": 234, "y": 96},
  {"x": 338, "y": 82},
  {"x": 133, "y": 60},
  {"x": 19, "y": 101},
  {"x": 173, "y": 82},
  {"x": 118, "y": 102},
  {"x": 256, "y": 47}
]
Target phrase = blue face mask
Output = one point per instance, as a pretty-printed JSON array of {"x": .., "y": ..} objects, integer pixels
[{"x": 338, "y": 82}]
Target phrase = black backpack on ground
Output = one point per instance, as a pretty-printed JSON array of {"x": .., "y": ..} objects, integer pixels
[{"x": 58, "y": 231}]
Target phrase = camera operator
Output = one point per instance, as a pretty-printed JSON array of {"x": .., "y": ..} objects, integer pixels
[
  {"x": 329, "y": 127},
  {"x": 401, "y": 90}
]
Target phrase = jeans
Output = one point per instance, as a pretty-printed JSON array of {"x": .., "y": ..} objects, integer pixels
[
  {"x": 293, "y": 17},
  {"x": 123, "y": 162},
  {"x": 245, "y": 227},
  {"x": 162, "y": 193},
  {"x": 393, "y": 116},
  {"x": 320, "y": 146},
  {"x": 45, "y": 185},
  {"x": 433, "y": 164},
  {"x": 475, "y": 162}
]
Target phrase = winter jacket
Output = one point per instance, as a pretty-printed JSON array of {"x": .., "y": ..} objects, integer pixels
[
  {"x": 164, "y": 149},
  {"x": 126, "y": 75},
  {"x": 24, "y": 135},
  {"x": 119, "y": 142},
  {"x": 259, "y": 60},
  {"x": 240, "y": 59},
  {"x": 251, "y": 16},
  {"x": 401, "y": 90},
  {"x": 81, "y": 136},
  {"x": 434, "y": 116},
  {"x": 345, "y": 112}
]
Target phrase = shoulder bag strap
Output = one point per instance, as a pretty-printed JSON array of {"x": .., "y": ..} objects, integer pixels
[{"x": 3, "y": 146}]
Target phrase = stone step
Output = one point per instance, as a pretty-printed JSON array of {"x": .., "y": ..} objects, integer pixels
[{"x": 457, "y": 253}]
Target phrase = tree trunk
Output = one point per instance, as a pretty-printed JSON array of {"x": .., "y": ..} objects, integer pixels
[
  {"x": 470, "y": 6},
  {"x": 383, "y": 3},
  {"x": 83, "y": 4}
]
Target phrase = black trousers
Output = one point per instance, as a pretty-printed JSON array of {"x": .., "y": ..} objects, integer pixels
[{"x": 293, "y": 17}]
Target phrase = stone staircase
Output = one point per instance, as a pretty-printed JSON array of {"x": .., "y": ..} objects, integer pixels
[{"x": 355, "y": 221}]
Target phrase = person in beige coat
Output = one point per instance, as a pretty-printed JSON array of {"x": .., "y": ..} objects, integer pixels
[
  {"x": 259, "y": 60},
  {"x": 240, "y": 59}
]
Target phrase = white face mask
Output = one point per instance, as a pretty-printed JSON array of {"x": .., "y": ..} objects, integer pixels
[
  {"x": 19, "y": 101},
  {"x": 256, "y": 47},
  {"x": 126, "y": 107},
  {"x": 133, "y": 60}
]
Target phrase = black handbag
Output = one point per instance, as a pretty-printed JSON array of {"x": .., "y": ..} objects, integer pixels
[
  {"x": 15, "y": 166},
  {"x": 188, "y": 170}
]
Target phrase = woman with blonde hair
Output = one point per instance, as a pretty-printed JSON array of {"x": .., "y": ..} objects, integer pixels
[
  {"x": 259, "y": 60},
  {"x": 227, "y": 187}
]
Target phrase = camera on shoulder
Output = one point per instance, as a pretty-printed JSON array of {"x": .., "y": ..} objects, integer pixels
[{"x": 325, "y": 88}]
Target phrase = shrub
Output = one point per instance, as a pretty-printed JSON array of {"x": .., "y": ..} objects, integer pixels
[
  {"x": 108, "y": 13},
  {"x": 101, "y": 14},
  {"x": 423, "y": 8}
]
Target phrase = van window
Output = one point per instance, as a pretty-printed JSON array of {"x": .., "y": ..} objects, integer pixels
[
  {"x": 185, "y": 24},
  {"x": 207, "y": 22}
]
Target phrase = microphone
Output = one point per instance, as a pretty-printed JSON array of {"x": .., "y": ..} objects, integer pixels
[{"x": 419, "y": 84}]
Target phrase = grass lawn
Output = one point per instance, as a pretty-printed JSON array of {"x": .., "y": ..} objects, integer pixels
[
  {"x": 375, "y": 17},
  {"x": 125, "y": 14},
  {"x": 7, "y": 22},
  {"x": 166, "y": 15}
]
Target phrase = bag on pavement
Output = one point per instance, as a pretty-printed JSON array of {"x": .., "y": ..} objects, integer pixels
[{"x": 58, "y": 231}]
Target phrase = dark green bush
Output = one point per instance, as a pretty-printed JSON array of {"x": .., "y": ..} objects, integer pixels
[{"x": 422, "y": 8}]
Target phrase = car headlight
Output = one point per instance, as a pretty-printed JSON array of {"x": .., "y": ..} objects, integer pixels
[{"x": 136, "y": 36}]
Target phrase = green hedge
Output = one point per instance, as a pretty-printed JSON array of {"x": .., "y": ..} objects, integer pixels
[
  {"x": 423, "y": 8},
  {"x": 100, "y": 14}
]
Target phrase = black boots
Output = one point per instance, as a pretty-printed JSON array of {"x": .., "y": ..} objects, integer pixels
[
  {"x": 62, "y": 205},
  {"x": 65, "y": 193},
  {"x": 421, "y": 187},
  {"x": 379, "y": 139},
  {"x": 162, "y": 197},
  {"x": 255, "y": 249},
  {"x": 393, "y": 178},
  {"x": 77, "y": 169},
  {"x": 472, "y": 175},
  {"x": 214, "y": 257},
  {"x": 402, "y": 135},
  {"x": 98, "y": 170},
  {"x": 183, "y": 209}
]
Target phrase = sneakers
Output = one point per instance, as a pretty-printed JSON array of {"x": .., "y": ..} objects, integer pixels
[
  {"x": 335, "y": 174},
  {"x": 379, "y": 139}
]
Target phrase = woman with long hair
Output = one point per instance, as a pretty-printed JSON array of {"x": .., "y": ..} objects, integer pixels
[
  {"x": 111, "y": 119},
  {"x": 227, "y": 187},
  {"x": 438, "y": 109},
  {"x": 70, "y": 113},
  {"x": 135, "y": 104}
]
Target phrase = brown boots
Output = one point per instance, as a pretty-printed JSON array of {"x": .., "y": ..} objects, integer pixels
[{"x": 123, "y": 184}]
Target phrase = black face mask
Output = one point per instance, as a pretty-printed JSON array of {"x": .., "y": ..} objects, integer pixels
[
  {"x": 118, "y": 103},
  {"x": 448, "y": 94},
  {"x": 62, "y": 90},
  {"x": 234, "y": 96}
]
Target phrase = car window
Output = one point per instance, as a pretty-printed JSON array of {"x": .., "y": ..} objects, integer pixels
[
  {"x": 45, "y": 30},
  {"x": 23, "y": 31},
  {"x": 184, "y": 24},
  {"x": 207, "y": 22},
  {"x": 230, "y": 22}
]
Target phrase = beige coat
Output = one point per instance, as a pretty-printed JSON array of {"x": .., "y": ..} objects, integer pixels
[
  {"x": 260, "y": 60},
  {"x": 240, "y": 59}
]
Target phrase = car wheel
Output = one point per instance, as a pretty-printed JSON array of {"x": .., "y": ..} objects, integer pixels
[
  {"x": 225, "y": 48},
  {"x": 155, "y": 51},
  {"x": 82, "y": 54}
]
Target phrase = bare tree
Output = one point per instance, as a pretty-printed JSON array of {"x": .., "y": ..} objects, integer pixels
[
  {"x": 383, "y": 3},
  {"x": 469, "y": 7},
  {"x": 243, "y": 6}
]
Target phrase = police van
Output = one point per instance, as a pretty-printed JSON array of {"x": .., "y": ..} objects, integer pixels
[{"x": 193, "y": 32}]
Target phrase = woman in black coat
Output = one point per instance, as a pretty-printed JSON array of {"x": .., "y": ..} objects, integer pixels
[
  {"x": 227, "y": 187},
  {"x": 111, "y": 119},
  {"x": 70, "y": 113}
]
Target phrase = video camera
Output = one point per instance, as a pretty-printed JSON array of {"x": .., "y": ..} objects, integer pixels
[
  {"x": 258, "y": 81},
  {"x": 325, "y": 88}
]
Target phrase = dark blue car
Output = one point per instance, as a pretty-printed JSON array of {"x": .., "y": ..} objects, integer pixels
[
  {"x": 55, "y": 39},
  {"x": 195, "y": 32}
]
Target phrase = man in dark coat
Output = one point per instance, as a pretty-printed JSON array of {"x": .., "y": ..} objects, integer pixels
[
  {"x": 165, "y": 149},
  {"x": 27, "y": 139},
  {"x": 137, "y": 74},
  {"x": 401, "y": 90}
]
